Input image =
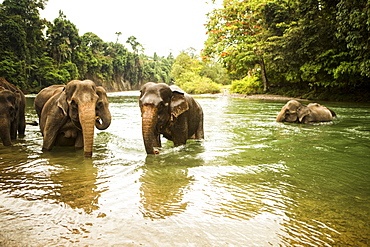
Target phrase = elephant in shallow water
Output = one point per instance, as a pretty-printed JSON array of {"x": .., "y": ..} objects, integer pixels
[
  {"x": 12, "y": 112},
  {"x": 295, "y": 112},
  {"x": 69, "y": 113},
  {"x": 169, "y": 111}
]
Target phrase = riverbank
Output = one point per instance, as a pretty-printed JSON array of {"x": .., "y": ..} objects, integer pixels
[
  {"x": 326, "y": 95},
  {"x": 260, "y": 96}
]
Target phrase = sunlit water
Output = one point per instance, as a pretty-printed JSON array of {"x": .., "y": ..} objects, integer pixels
[{"x": 251, "y": 182}]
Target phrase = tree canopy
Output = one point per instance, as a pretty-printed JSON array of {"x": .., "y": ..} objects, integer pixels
[
  {"x": 312, "y": 49},
  {"x": 35, "y": 53},
  {"x": 196, "y": 76},
  {"x": 311, "y": 46}
]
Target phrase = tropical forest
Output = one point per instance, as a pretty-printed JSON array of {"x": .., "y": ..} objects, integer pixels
[{"x": 313, "y": 49}]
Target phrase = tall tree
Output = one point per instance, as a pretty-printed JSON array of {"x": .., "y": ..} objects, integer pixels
[
  {"x": 63, "y": 39},
  {"x": 21, "y": 39},
  {"x": 353, "y": 26},
  {"x": 236, "y": 36}
]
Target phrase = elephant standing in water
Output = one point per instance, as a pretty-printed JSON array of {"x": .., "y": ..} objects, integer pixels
[
  {"x": 169, "y": 111},
  {"x": 12, "y": 112},
  {"x": 69, "y": 113},
  {"x": 295, "y": 112}
]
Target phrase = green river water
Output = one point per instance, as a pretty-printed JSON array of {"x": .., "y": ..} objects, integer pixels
[{"x": 251, "y": 182}]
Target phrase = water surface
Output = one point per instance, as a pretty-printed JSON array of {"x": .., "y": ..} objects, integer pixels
[{"x": 251, "y": 182}]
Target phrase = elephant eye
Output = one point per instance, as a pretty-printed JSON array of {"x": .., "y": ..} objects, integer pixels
[
  {"x": 99, "y": 105},
  {"x": 162, "y": 105}
]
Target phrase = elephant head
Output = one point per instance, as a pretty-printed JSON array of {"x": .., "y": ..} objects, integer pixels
[
  {"x": 289, "y": 112},
  {"x": 7, "y": 115},
  {"x": 159, "y": 105},
  {"x": 78, "y": 101}
]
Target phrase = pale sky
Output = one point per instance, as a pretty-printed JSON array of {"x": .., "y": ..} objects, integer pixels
[{"x": 161, "y": 26}]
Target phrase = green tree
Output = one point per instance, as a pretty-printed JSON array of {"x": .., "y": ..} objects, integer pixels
[
  {"x": 63, "y": 40},
  {"x": 305, "y": 47},
  {"x": 158, "y": 69},
  {"x": 236, "y": 37},
  {"x": 21, "y": 39},
  {"x": 186, "y": 72},
  {"x": 353, "y": 26},
  {"x": 134, "y": 65}
]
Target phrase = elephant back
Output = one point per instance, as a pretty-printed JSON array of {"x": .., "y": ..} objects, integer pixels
[
  {"x": 20, "y": 98},
  {"x": 7, "y": 85}
]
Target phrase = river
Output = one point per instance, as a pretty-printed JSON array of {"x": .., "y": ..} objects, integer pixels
[{"x": 250, "y": 182}]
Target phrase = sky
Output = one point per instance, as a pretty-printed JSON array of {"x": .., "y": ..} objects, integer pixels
[{"x": 161, "y": 26}]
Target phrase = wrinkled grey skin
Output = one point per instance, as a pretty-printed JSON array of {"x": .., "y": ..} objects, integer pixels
[
  {"x": 169, "y": 111},
  {"x": 12, "y": 112},
  {"x": 315, "y": 112},
  {"x": 295, "y": 112},
  {"x": 69, "y": 113}
]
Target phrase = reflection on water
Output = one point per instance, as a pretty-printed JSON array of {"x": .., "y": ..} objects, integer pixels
[
  {"x": 163, "y": 185},
  {"x": 251, "y": 182}
]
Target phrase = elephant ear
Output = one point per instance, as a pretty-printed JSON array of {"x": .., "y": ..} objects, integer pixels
[
  {"x": 178, "y": 103},
  {"x": 100, "y": 91},
  {"x": 62, "y": 103},
  {"x": 303, "y": 113}
]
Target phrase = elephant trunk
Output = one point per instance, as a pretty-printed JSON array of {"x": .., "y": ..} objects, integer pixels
[
  {"x": 5, "y": 132},
  {"x": 149, "y": 122},
  {"x": 103, "y": 121},
  {"x": 87, "y": 120},
  {"x": 280, "y": 117}
]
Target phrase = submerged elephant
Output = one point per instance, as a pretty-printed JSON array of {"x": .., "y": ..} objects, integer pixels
[
  {"x": 169, "y": 111},
  {"x": 12, "y": 112},
  {"x": 295, "y": 112},
  {"x": 69, "y": 113}
]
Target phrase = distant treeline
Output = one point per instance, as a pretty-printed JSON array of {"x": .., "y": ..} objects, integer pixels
[
  {"x": 311, "y": 48},
  {"x": 35, "y": 53}
]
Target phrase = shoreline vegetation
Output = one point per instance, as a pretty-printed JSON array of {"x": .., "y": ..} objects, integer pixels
[
  {"x": 252, "y": 48},
  {"x": 260, "y": 97}
]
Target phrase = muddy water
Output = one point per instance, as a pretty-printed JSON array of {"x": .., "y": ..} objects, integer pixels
[{"x": 251, "y": 182}]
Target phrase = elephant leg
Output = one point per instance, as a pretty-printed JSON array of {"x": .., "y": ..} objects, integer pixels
[
  {"x": 21, "y": 124},
  {"x": 51, "y": 131},
  {"x": 180, "y": 133},
  {"x": 199, "y": 134},
  {"x": 180, "y": 140},
  {"x": 13, "y": 130},
  {"x": 5, "y": 138},
  {"x": 79, "y": 141}
]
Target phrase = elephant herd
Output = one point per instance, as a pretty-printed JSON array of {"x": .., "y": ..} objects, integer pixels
[{"x": 68, "y": 114}]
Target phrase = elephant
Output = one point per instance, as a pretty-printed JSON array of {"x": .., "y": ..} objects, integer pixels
[
  {"x": 289, "y": 112},
  {"x": 295, "y": 112},
  {"x": 68, "y": 114},
  {"x": 315, "y": 112},
  {"x": 12, "y": 112},
  {"x": 169, "y": 111}
]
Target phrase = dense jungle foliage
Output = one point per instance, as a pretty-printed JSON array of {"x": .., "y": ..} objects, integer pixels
[
  {"x": 35, "y": 53},
  {"x": 311, "y": 49}
]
